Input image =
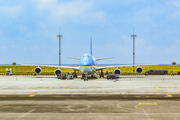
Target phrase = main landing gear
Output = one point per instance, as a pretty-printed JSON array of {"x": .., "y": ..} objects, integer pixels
[
  {"x": 101, "y": 74},
  {"x": 74, "y": 74}
]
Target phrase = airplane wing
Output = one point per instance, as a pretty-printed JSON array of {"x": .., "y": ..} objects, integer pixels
[
  {"x": 106, "y": 67},
  {"x": 67, "y": 67},
  {"x": 74, "y": 58},
  {"x": 97, "y": 67},
  {"x": 104, "y": 58}
]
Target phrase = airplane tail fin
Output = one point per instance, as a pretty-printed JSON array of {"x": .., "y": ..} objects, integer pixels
[{"x": 91, "y": 44}]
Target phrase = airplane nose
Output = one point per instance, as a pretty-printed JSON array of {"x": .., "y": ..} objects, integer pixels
[{"x": 86, "y": 62}]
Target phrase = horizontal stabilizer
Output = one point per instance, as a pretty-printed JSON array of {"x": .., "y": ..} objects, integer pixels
[
  {"x": 104, "y": 58},
  {"x": 74, "y": 58}
]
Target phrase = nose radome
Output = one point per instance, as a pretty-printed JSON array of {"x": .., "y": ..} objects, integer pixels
[{"x": 86, "y": 62}]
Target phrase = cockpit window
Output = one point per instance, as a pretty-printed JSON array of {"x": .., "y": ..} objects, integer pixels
[{"x": 85, "y": 56}]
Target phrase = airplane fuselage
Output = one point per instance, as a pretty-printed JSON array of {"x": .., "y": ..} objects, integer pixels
[{"x": 87, "y": 64}]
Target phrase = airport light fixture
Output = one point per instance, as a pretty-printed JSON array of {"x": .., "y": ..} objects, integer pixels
[
  {"x": 133, "y": 49},
  {"x": 59, "y": 36}
]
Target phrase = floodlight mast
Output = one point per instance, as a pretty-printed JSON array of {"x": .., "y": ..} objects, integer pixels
[
  {"x": 59, "y": 36},
  {"x": 133, "y": 49}
]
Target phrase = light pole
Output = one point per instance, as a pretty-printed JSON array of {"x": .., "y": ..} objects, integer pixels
[
  {"x": 59, "y": 36},
  {"x": 133, "y": 49}
]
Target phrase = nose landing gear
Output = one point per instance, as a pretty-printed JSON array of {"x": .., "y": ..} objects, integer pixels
[{"x": 84, "y": 76}]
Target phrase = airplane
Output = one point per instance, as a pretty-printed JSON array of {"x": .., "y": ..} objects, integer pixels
[{"x": 87, "y": 66}]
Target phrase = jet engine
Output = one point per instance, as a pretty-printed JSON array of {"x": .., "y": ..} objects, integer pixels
[
  {"x": 117, "y": 71},
  {"x": 139, "y": 70},
  {"x": 57, "y": 72},
  {"x": 37, "y": 70}
]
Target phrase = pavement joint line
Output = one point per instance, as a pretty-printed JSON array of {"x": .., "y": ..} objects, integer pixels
[
  {"x": 24, "y": 114},
  {"x": 146, "y": 115}
]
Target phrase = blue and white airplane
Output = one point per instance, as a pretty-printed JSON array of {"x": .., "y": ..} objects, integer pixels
[{"x": 87, "y": 66}]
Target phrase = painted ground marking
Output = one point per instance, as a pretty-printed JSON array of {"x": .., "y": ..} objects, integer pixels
[
  {"x": 31, "y": 95},
  {"x": 139, "y": 104},
  {"x": 169, "y": 95}
]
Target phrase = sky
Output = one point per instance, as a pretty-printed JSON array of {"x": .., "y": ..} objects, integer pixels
[{"x": 29, "y": 29}]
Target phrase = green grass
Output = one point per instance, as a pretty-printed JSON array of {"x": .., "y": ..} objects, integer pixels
[{"x": 29, "y": 70}]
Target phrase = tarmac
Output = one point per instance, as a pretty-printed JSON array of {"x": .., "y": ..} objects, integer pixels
[
  {"x": 129, "y": 97},
  {"x": 125, "y": 85}
]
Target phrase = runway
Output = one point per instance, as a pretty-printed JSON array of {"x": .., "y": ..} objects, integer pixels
[
  {"x": 129, "y": 97},
  {"x": 89, "y": 109}
]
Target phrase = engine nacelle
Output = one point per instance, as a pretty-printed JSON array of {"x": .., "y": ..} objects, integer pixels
[
  {"x": 117, "y": 71},
  {"x": 57, "y": 72},
  {"x": 37, "y": 70},
  {"x": 139, "y": 70}
]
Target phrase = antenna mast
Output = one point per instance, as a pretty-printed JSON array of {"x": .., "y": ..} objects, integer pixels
[
  {"x": 133, "y": 49},
  {"x": 59, "y": 36}
]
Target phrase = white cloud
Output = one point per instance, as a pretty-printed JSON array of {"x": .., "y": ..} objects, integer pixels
[
  {"x": 165, "y": 54},
  {"x": 148, "y": 15},
  {"x": 175, "y": 3},
  {"x": 140, "y": 42},
  {"x": 119, "y": 2},
  {"x": 146, "y": 53},
  {"x": 77, "y": 10},
  {"x": 3, "y": 47},
  {"x": 1, "y": 33},
  {"x": 177, "y": 41},
  {"x": 44, "y": 4},
  {"x": 125, "y": 47},
  {"x": 175, "y": 14},
  {"x": 10, "y": 11}
]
